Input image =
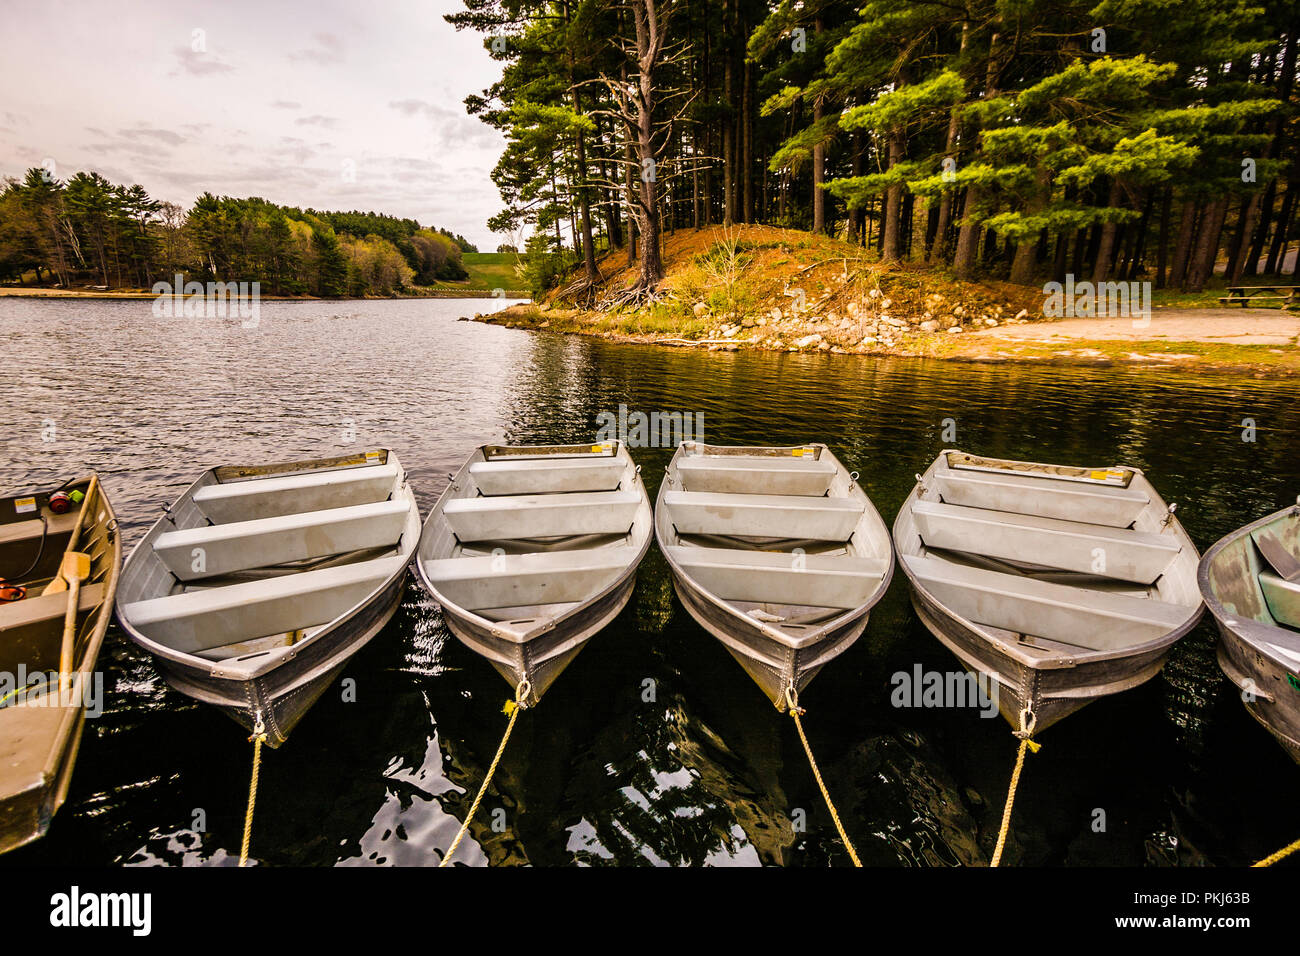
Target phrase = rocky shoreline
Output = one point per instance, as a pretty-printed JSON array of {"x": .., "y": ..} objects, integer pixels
[
  {"x": 942, "y": 330},
  {"x": 864, "y": 327}
]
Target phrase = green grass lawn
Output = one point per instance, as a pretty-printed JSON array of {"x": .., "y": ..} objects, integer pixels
[
  {"x": 1214, "y": 289},
  {"x": 488, "y": 270}
]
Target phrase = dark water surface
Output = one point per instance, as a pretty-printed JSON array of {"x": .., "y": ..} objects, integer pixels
[{"x": 708, "y": 772}]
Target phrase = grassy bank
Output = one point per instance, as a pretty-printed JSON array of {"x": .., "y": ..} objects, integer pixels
[
  {"x": 488, "y": 271},
  {"x": 758, "y": 287}
]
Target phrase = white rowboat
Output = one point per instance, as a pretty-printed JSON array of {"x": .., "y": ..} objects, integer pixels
[
  {"x": 777, "y": 552},
  {"x": 532, "y": 550},
  {"x": 1062, "y": 584},
  {"x": 254, "y": 589}
]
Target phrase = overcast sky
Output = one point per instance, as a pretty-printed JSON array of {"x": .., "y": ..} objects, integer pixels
[{"x": 323, "y": 103}]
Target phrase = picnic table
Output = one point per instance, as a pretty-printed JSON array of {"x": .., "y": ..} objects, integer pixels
[{"x": 1273, "y": 296}]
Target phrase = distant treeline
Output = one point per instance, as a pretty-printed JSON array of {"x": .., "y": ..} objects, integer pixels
[{"x": 89, "y": 231}]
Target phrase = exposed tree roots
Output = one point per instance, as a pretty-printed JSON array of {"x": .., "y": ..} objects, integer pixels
[{"x": 636, "y": 295}]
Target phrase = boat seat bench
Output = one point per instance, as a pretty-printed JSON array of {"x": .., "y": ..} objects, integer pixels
[
  {"x": 1085, "y": 618},
  {"x": 1090, "y": 503},
  {"x": 28, "y": 637},
  {"x": 519, "y": 580},
  {"x": 1276, "y": 553},
  {"x": 1283, "y": 598},
  {"x": 208, "y": 551},
  {"x": 546, "y": 475},
  {"x": 812, "y": 580},
  {"x": 33, "y": 528},
  {"x": 204, "y": 618},
  {"x": 293, "y": 494},
  {"x": 1118, "y": 553},
  {"x": 508, "y": 517},
  {"x": 767, "y": 516},
  {"x": 739, "y": 474}
]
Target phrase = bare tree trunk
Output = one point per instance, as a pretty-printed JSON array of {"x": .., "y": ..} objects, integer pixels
[
  {"x": 695, "y": 178},
  {"x": 939, "y": 248},
  {"x": 1025, "y": 262},
  {"x": 584, "y": 203},
  {"x": 1207, "y": 245},
  {"x": 1279, "y": 236},
  {"x": 650, "y": 33},
  {"x": 1101, "y": 267},
  {"x": 728, "y": 124},
  {"x": 1162, "y": 252},
  {"x": 967, "y": 239},
  {"x": 1240, "y": 242},
  {"x": 1136, "y": 242},
  {"x": 891, "y": 249},
  {"x": 857, "y": 214},
  {"x": 818, "y": 161},
  {"x": 1183, "y": 247},
  {"x": 1285, "y": 80},
  {"x": 747, "y": 146}
]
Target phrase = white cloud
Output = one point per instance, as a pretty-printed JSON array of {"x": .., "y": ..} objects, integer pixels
[
  {"x": 129, "y": 97},
  {"x": 199, "y": 63}
]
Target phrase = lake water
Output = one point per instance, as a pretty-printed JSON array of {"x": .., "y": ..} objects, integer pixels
[{"x": 707, "y": 772}]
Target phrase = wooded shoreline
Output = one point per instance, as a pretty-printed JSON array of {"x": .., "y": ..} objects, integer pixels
[{"x": 1107, "y": 143}]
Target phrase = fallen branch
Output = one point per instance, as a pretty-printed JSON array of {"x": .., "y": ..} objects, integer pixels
[{"x": 703, "y": 341}]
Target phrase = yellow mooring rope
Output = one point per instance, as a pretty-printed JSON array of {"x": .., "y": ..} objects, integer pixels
[
  {"x": 1027, "y": 744},
  {"x": 792, "y": 705},
  {"x": 513, "y": 707},
  {"x": 1281, "y": 854},
  {"x": 258, "y": 738}
]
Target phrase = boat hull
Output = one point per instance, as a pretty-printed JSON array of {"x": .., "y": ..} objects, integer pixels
[
  {"x": 1250, "y": 671},
  {"x": 1050, "y": 693},
  {"x": 774, "y": 666},
  {"x": 284, "y": 695},
  {"x": 541, "y": 658}
]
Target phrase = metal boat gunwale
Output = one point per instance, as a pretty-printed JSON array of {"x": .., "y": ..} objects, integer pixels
[{"x": 272, "y": 660}]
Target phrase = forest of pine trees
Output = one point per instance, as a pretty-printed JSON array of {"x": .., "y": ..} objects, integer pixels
[
  {"x": 1027, "y": 139},
  {"x": 88, "y": 231}
]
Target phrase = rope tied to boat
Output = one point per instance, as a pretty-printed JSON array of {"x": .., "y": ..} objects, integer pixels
[
  {"x": 513, "y": 708},
  {"x": 792, "y": 705},
  {"x": 258, "y": 738},
  {"x": 1280, "y": 855},
  {"x": 1027, "y": 745}
]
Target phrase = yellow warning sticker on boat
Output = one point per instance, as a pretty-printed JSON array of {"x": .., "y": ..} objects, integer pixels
[
  {"x": 1107, "y": 476},
  {"x": 597, "y": 449},
  {"x": 373, "y": 456},
  {"x": 24, "y": 506},
  {"x": 805, "y": 453}
]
